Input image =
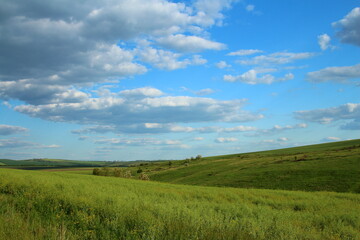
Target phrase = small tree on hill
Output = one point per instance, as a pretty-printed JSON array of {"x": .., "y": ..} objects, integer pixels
[{"x": 144, "y": 177}]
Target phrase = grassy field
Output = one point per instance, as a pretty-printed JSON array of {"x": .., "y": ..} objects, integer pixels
[
  {"x": 58, "y": 205},
  {"x": 324, "y": 167}
]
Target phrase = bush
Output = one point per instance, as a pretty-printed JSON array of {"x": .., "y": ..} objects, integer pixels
[
  {"x": 139, "y": 170},
  {"x": 96, "y": 171},
  {"x": 144, "y": 177}
]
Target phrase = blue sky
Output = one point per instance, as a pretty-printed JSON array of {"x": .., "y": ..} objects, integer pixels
[{"x": 157, "y": 79}]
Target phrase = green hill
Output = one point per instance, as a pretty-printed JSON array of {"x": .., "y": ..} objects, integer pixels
[
  {"x": 323, "y": 167},
  {"x": 46, "y": 205},
  {"x": 46, "y": 162}
]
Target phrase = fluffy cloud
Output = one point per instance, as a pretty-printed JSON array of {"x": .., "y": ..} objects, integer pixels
[
  {"x": 71, "y": 44},
  {"x": 324, "y": 41},
  {"x": 8, "y": 129},
  {"x": 37, "y": 93},
  {"x": 147, "y": 107},
  {"x": 137, "y": 141},
  {"x": 167, "y": 60},
  {"x": 222, "y": 64},
  {"x": 250, "y": 8},
  {"x": 205, "y": 91},
  {"x": 349, "y": 27},
  {"x": 330, "y": 139},
  {"x": 16, "y": 143},
  {"x": 250, "y": 77},
  {"x": 278, "y": 129},
  {"x": 336, "y": 74},
  {"x": 184, "y": 43},
  {"x": 225, "y": 140},
  {"x": 276, "y": 58},
  {"x": 245, "y": 52},
  {"x": 349, "y": 112}
]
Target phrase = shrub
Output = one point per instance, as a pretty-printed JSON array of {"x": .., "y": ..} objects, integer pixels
[
  {"x": 139, "y": 170},
  {"x": 144, "y": 177},
  {"x": 96, "y": 171}
]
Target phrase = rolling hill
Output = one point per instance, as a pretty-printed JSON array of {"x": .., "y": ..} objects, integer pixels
[{"x": 323, "y": 167}]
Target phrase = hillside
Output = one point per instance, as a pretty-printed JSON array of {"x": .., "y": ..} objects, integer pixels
[
  {"x": 324, "y": 167},
  {"x": 43, "y": 205}
]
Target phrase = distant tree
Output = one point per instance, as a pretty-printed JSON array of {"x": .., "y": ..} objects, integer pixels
[
  {"x": 127, "y": 174},
  {"x": 106, "y": 171},
  {"x": 144, "y": 177},
  {"x": 198, "y": 157},
  {"x": 96, "y": 171},
  {"x": 118, "y": 172},
  {"x": 170, "y": 163}
]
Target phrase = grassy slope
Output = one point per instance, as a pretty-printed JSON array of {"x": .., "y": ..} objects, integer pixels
[
  {"x": 48, "y": 205},
  {"x": 324, "y": 167}
]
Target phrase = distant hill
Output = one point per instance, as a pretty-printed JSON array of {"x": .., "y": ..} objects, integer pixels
[{"x": 323, "y": 167}]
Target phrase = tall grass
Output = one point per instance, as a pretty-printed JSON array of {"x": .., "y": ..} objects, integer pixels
[{"x": 43, "y": 205}]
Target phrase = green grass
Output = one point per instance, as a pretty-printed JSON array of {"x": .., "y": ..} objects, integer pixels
[
  {"x": 57, "y": 205},
  {"x": 324, "y": 167}
]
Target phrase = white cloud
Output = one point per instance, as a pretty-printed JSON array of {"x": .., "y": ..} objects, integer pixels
[
  {"x": 148, "y": 107},
  {"x": 9, "y": 129},
  {"x": 349, "y": 27},
  {"x": 250, "y": 8},
  {"x": 278, "y": 129},
  {"x": 349, "y": 112},
  {"x": 222, "y": 64},
  {"x": 324, "y": 42},
  {"x": 245, "y": 52},
  {"x": 276, "y": 58},
  {"x": 167, "y": 60},
  {"x": 336, "y": 74},
  {"x": 225, "y": 140},
  {"x": 205, "y": 91},
  {"x": 137, "y": 141},
  {"x": 250, "y": 77},
  {"x": 142, "y": 92},
  {"x": 283, "y": 139},
  {"x": 70, "y": 44},
  {"x": 16, "y": 143},
  {"x": 330, "y": 139},
  {"x": 184, "y": 43},
  {"x": 198, "y": 138}
]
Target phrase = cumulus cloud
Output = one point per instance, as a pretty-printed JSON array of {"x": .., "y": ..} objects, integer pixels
[
  {"x": 225, "y": 140},
  {"x": 245, "y": 52},
  {"x": 167, "y": 60},
  {"x": 71, "y": 44},
  {"x": 37, "y": 93},
  {"x": 184, "y": 43},
  {"x": 250, "y": 8},
  {"x": 278, "y": 129},
  {"x": 137, "y": 141},
  {"x": 349, "y": 112},
  {"x": 324, "y": 42},
  {"x": 250, "y": 77},
  {"x": 222, "y": 64},
  {"x": 205, "y": 91},
  {"x": 330, "y": 139},
  {"x": 335, "y": 74},
  {"x": 17, "y": 143},
  {"x": 127, "y": 110},
  {"x": 349, "y": 27},
  {"x": 276, "y": 58},
  {"x": 9, "y": 129}
]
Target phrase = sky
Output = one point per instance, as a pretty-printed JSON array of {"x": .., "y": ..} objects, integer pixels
[{"x": 120, "y": 80}]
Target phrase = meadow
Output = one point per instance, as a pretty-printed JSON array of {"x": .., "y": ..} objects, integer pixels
[
  {"x": 59, "y": 205},
  {"x": 323, "y": 167}
]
